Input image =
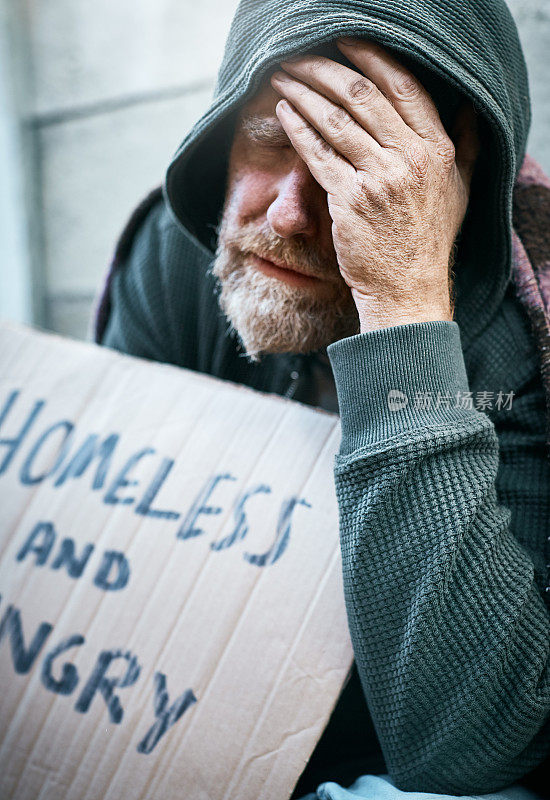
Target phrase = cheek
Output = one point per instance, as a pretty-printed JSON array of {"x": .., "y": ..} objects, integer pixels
[{"x": 252, "y": 193}]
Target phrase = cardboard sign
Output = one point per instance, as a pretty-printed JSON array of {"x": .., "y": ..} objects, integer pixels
[{"x": 172, "y": 621}]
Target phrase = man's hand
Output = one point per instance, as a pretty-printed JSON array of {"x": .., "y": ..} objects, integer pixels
[{"x": 397, "y": 185}]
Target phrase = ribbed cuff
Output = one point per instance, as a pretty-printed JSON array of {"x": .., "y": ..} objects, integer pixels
[{"x": 398, "y": 379}]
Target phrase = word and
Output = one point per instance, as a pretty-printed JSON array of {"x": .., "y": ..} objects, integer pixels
[{"x": 111, "y": 575}]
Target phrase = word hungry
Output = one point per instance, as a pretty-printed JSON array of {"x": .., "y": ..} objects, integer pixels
[{"x": 102, "y": 682}]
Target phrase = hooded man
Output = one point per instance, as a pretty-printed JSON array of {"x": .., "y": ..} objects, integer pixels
[{"x": 337, "y": 228}]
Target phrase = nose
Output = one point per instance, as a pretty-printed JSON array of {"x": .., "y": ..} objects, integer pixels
[{"x": 292, "y": 211}]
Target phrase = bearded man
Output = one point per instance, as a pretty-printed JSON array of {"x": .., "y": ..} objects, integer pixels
[{"x": 337, "y": 228}]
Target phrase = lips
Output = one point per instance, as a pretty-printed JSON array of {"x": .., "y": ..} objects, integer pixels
[
  {"x": 290, "y": 276},
  {"x": 279, "y": 265},
  {"x": 320, "y": 287}
]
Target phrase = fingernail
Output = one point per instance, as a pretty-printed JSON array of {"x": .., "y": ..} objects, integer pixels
[
  {"x": 285, "y": 105},
  {"x": 349, "y": 40}
]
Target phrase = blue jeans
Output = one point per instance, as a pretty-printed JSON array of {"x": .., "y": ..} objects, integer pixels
[{"x": 380, "y": 787}]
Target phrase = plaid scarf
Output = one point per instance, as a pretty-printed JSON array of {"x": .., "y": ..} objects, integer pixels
[{"x": 531, "y": 260}]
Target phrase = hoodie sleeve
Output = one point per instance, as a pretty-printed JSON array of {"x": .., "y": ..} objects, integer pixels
[{"x": 446, "y": 607}]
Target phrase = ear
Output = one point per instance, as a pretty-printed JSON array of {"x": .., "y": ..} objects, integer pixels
[{"x": 465, "y": 135}]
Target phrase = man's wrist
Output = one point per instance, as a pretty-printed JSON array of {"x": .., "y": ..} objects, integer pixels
[
  {"x": 371, "y": 322},
  {"x": 378, "y": 314}
]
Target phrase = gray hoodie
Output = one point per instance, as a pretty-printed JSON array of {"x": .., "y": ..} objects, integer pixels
[
  {"x": 455, "y": 47},
  {"x": 443, "y": 511}
]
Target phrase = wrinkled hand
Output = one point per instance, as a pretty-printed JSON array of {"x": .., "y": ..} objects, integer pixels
[{"x": 397, "y": 185}]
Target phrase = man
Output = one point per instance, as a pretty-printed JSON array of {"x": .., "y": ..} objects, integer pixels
[{"x": 337, "y": 229}]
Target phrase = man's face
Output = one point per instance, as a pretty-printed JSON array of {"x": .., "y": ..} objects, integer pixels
[{"x": 281, "y": 288}]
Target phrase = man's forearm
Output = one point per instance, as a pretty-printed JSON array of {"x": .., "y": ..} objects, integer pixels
[{"x": 451, "y": 635}]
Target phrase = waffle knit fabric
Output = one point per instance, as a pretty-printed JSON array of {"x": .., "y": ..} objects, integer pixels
[{"x": 444, "y": 507}]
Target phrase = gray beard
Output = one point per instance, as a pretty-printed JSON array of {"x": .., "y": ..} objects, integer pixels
[{"x": 271, "y": 316}]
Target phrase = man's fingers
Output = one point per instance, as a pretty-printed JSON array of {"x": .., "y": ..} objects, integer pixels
[
  {"x": 329, "y": 169},
  {"x": 407, "y": 95},
  {"x": 357, "y": 94},
  {"x": 467, "y": 142},
  {"x": 334, "y": 123}
]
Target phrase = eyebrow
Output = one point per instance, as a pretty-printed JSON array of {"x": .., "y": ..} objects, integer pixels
[{"x": 264, "y": 130}]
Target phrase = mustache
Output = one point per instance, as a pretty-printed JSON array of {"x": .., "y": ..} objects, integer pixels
[{"x": 294, "y": 253}]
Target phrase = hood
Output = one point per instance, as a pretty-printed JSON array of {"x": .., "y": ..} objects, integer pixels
[{"x": 455, "y": 47}]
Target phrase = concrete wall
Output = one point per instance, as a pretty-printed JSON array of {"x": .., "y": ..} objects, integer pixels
[
  {"x": 117, "y": 83},
  {"x": 533, "y": 21},
  {"x": 17, "y": 287}
]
